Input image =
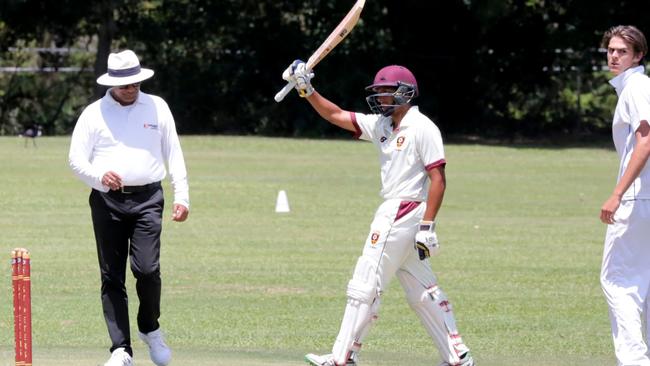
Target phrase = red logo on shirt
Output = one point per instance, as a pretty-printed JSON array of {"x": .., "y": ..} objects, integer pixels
[
  {"x": 150, "y": 126},
  {"x": 374, "y": 237},
  {"x": 400, "y": 141}
]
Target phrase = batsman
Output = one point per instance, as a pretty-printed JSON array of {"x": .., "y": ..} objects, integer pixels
[{"x": 402, "y": 234}]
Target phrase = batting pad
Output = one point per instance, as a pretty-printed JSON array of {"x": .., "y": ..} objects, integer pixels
[
  {"x": 436, "y": 315},
  {"x": 360, "y": 310}
]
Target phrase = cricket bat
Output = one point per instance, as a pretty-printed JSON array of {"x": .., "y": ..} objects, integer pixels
[{"x": 340, "y": 32}]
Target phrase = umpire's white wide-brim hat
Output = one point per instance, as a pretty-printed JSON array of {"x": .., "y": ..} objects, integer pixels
[{"x": 124, "y": 69}]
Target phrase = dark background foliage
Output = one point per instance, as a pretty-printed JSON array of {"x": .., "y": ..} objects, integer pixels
[{"x": 490, "y": 69}]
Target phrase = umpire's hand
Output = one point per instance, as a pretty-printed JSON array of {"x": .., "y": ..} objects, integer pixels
[
  {"x": 112, "y": 180},
  {"x": 180, "y": 212}
]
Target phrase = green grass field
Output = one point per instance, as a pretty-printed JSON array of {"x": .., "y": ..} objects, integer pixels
[{"x": 243, "y": 285}]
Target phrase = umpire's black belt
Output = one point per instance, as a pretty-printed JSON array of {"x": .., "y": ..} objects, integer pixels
[{"x": 138, "y": 189}]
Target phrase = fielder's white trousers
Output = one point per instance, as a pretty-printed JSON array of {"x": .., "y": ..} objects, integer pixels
[{"x": 625, "y": 279}]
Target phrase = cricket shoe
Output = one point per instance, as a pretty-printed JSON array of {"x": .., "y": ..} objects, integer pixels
[
  {"x": 328, "y": 360},
  {"x": 119, "y": 357},
  {"x": 465, "y": 360},
  {"x": 160, "y": 354}
]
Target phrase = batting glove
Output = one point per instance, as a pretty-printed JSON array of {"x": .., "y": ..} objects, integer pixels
[
  {"x": 297, "y": 73},
  {"x": 288, "y": 73},
  {"x": 426, "y": 241}
]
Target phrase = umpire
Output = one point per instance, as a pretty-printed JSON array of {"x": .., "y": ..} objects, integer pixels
[{"x": 119, "y": 148}]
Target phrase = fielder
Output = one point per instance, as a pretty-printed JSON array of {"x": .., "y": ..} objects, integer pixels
[
  {"x": 402, "y": 234},
  {"x": 625, "y": 272}
]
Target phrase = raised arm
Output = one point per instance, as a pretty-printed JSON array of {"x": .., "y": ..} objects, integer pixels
[
  {"x": 297, "y": 73},
  {"x": 331, "y": 112}
]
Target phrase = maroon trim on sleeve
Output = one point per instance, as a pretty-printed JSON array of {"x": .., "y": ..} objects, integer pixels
[
  {"x": 405, "y": 207},
  {"x": 358, "y": 132},
  {"x": 435, "y": 164}
]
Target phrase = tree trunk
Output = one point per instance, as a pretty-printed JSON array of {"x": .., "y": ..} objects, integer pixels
[{"x": 105, "y": 38}]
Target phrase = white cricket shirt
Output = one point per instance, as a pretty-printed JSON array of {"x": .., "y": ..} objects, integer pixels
[
  {"x": 633, "y": 89},
  {"x": 405, "y": 154},
  {"x": 135, "y": 141}
]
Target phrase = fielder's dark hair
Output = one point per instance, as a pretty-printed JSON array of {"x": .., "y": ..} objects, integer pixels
[{"x": 631, "y": 35}]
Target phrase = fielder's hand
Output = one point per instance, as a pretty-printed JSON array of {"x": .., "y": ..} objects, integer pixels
[
  {"x": 297, "y": 72},
  {"x": 426, "y": 241}
]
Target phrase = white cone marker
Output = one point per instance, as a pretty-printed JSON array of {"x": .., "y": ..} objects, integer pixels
[{"x": 282, "y": 203}]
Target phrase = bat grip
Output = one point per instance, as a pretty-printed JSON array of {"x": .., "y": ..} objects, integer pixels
[{"x": 282, "y": 93}]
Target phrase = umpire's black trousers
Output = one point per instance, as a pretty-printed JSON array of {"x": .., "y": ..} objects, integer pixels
[{"x": 128, "y": 225}]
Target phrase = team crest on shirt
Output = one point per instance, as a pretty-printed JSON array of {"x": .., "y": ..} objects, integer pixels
[
  {"x": 150, "y": 126},
  {"x": 374, "y": 237},
  {"x": 400, "y": 141}
]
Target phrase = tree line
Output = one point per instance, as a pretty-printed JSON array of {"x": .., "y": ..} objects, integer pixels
[{"x": 489, "y": 68}]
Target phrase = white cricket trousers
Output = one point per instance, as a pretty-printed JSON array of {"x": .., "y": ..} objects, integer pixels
[
  {"x": 391, "y": 244},
  {"x": 625, "y": 279}
]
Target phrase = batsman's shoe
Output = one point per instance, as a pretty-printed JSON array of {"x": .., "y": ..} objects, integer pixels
[
  {"x": 466, "y": 360},
  {"x": 328, "y": 360},
  {"x": 119, "y": 357},
  {"x": 160, "y": 354}
]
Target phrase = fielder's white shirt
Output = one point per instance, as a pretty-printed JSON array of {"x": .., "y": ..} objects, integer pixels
[
  {"x": 633, "y": 89},
  {"x": 405, "y": 154},
  {"x": 135, "y": 141}
]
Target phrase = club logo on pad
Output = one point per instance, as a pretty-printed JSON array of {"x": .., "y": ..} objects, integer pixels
[{"x": 445, "y": 306}]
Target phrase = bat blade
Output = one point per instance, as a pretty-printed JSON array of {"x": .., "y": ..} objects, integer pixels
[{"x": 338, "y": 34}]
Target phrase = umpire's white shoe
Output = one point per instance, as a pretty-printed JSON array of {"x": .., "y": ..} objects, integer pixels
[
  {"x": 466, "y": 360},
  {"x": 160, "y": 354},
  {"x": 328, "y": 360},
  {"x": 119, "y": 357}
]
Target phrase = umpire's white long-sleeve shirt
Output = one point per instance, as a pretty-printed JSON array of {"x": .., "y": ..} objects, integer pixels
[{"x": 135, "y": 141}]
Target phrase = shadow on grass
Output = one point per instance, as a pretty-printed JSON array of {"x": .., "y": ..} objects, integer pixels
[{"x": 203, "y": 357}]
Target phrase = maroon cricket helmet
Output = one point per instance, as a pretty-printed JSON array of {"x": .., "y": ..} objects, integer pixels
[
  {"x": 394, "y": 76},
  {"x": 398, "y": 78}
]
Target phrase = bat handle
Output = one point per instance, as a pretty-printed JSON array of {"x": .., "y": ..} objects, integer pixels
[{"x": 282, "y": 93}]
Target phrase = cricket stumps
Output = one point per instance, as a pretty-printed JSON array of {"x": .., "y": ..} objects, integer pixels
[{"x": 21, "y": 280}]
